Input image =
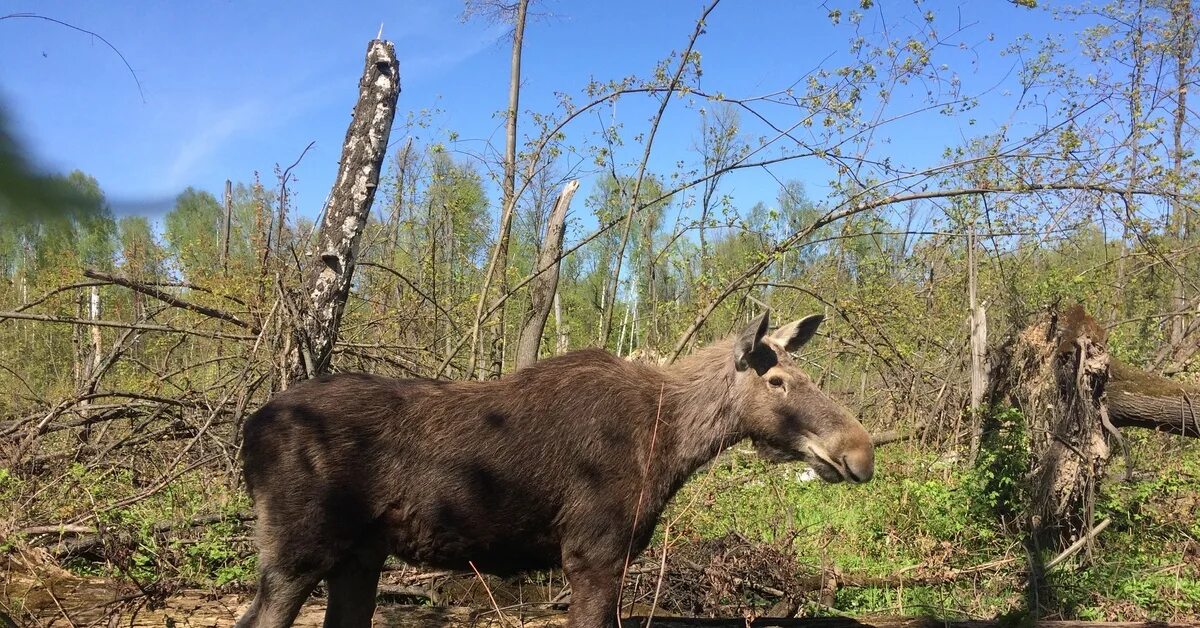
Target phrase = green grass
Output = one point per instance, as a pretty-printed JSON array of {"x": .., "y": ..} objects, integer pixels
[
  {"x": 920, "y": 515},
  {"x": 206, "y": 556}
]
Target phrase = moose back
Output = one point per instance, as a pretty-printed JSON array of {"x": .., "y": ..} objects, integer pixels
[{"x": 568, "y": 462}]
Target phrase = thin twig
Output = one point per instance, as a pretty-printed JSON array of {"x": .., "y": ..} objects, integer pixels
[{"x": 488, "y": 590}]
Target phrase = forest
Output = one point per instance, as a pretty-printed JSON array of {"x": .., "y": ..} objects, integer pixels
[{"x": 1014, "y": 315}]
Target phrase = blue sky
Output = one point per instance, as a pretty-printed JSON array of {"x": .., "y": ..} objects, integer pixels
[{"x": 232, "y": 88}]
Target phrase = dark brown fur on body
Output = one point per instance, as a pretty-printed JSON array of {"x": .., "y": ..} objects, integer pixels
[{"x": 541, "y": 468}]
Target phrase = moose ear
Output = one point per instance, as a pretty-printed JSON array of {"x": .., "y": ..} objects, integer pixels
[
  {"x": 748, "y": 340},
  {"x": 796, "y": 333}
]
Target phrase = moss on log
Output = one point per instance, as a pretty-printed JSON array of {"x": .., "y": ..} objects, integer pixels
[{"x": 1136, "y": 398}]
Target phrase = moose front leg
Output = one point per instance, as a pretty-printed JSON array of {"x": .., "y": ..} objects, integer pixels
[{"x": 595, "y": 588}]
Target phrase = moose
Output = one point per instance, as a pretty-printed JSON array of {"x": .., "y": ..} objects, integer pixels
[{"x": 568, "y": 462}]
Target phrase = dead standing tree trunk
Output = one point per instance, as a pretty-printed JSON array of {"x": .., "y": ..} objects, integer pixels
[
  {"x": 1074, "y": 395},
  {"x": 977, "y": 322},
  {"x": 543, "y": 289},
  {"x": 330, "y": 271}
]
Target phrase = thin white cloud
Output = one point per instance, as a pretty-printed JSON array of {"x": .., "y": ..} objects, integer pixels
[
  {"x": 438, "y": 61},
  {"x": 213, "y": 130},
  {"x": 215, "y": 125},
  {"x": 212, "y": 133}
]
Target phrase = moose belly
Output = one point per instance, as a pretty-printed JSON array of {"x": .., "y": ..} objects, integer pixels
[{"x": 452, "y": 534}]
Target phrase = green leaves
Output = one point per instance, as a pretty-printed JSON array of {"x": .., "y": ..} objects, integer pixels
[{"x": 193, "y": 230}]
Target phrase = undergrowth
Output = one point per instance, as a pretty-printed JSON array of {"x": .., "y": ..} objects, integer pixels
[{"x": 924, "y": 516}]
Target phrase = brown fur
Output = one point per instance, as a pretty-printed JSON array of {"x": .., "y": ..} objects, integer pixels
[{"x": 539, "y": 469}]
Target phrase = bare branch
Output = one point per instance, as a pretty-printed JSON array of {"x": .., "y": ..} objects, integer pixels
[
  {"x": 169, "y": 299},
  {"x": 142, "y": 326}
]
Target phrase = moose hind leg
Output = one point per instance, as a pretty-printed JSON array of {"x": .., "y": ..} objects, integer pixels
[
  {"x": 292, "y": 560},
  {"x": 352, "y": 587}
]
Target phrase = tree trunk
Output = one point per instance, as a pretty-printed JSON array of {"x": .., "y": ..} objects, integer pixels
[
  {"x": 225, "y": 227},
  {"x": 499, "y": 264},
  {"x": 79, "y": 356},
  {"x": 1136, "y": 398},
  {"x": 94, "y": 314},
  {"x": 1185, "y": 33},
  {"x": 402, "y": 165},
  {"x": 633, "y": 328},
  {"x": 262, "y": 235},
  {"x": 543, "y": 289},
  {"x": 621, "y": 334},
  {"x": 331, "y": 270},
  {"x": 560, "y": 331}
]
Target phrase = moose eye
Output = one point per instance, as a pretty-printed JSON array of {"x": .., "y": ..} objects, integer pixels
[{"x": 775, "y": 381}]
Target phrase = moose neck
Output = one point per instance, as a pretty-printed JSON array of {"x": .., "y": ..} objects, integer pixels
[{"x": 705, "y": 409}]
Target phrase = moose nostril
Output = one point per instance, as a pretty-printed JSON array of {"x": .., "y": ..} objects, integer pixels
[
  {"x": 859, "y": 467},
  {"x": 850, "y": 475}
]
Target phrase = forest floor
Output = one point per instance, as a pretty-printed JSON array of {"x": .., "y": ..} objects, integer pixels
[
  {"x": 49, "y": 597},
  {"x": 743, "y": 539}
]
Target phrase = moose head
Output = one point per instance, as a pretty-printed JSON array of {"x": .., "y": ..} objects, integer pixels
[{"x": 788, "y": 417}]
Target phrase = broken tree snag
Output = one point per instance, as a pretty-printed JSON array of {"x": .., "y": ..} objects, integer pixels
[
  {"x": 1055, "y": 372},
  {"x": 545, "y": 284},
  {"x": 330, "y": 270}
]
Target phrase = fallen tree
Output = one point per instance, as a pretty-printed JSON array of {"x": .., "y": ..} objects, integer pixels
[{"x": 1139, "y": 399}]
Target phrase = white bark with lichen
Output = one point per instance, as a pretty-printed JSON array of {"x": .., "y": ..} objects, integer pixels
[{"x": 331, "y": 271}]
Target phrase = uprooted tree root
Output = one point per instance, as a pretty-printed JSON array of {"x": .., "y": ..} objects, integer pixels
[
  {"x": 1074, "y": 396},
  {"x": 1055, "y": 372}
]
